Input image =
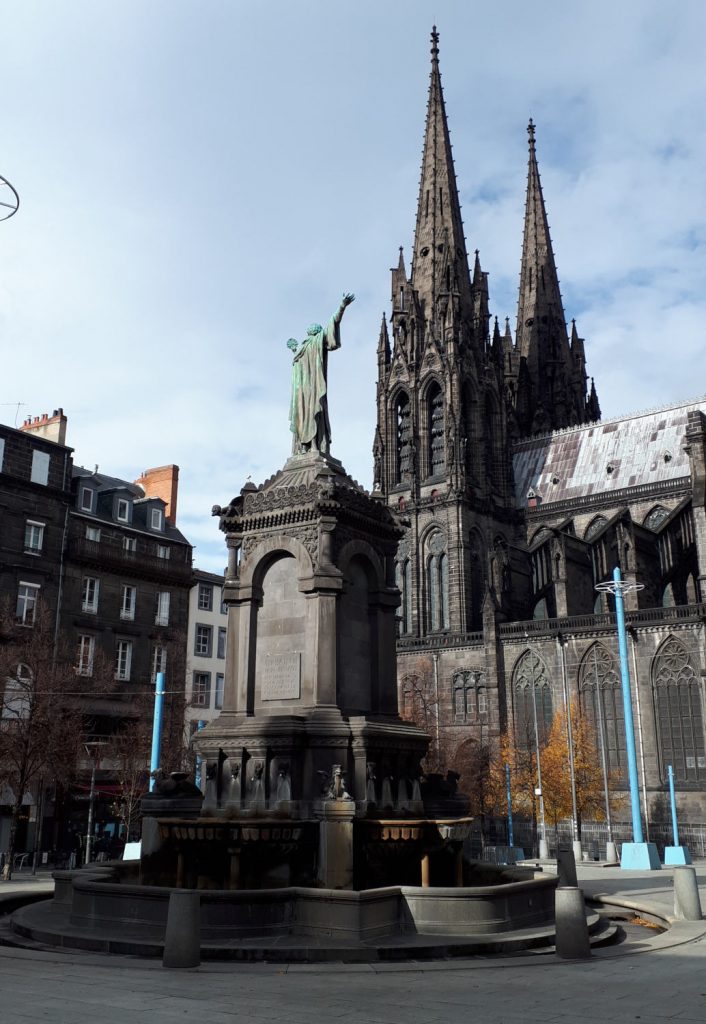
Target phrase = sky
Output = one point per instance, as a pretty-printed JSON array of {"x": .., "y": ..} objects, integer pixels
[{"x": 201, "y": 179}]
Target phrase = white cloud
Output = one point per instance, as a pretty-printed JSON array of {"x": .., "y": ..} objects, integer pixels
[{"x": 199, "y": 183}]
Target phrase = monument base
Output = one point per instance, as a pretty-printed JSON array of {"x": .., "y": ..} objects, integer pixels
[
  {"x": 639, "y": 857},
  {"x": 676, "y": 855}
]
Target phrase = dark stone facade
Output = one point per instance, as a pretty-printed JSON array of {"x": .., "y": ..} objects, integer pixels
[
  {"x": 519, "y": 501},
  {"x": 97, "y": 553}
]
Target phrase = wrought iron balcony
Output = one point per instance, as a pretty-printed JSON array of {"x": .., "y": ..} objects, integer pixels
[{"x": 109, "y": 555}]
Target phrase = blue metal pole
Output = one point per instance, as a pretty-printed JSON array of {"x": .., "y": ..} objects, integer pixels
[
  {"x": 510, "y": 836},
  {"x": 199, "y": 760},
  {"x": 673, "y": 802},
  {"x": 156, "y": 726},
  {"x": 627, "y": 711}
]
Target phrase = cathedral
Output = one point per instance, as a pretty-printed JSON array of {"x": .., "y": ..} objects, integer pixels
[{"x": 519, "y": 500}]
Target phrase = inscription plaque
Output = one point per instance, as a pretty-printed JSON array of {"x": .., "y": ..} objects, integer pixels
[{"x": 281, "y": 677}]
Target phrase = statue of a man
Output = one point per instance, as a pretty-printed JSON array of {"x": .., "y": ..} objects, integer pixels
[{"x": 308, "y": 412}]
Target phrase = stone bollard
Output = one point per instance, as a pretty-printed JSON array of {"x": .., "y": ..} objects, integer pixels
[
  {"x": 611, "y": 853},
  {"x": 687, "y": 904},
  {"x": 182, "y": 939},
  {"x": 572, "y": 941},
  {"x": 566, "y": 866}
]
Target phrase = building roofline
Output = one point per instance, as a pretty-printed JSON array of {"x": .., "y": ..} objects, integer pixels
[{"x": 526, "y": 442}]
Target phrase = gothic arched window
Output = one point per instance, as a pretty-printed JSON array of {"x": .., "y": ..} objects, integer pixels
[
  {"x": 435, "y": 431},
  {"x": 437, "y": 582},
  {"x": 403, "y": 450},
  {"x": 531, "y": 682},
  {"x": 679, "y": 713},
  {"x": 656, "y": 517},
  {"x": 470, "y": 702},
  {"x": 601, "y": 699},
  {"x": 594, "y": 527}
]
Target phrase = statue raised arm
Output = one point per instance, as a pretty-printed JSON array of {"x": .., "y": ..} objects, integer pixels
[{"x": 308, "y": 411}]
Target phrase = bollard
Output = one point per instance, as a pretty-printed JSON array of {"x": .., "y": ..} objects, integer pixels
[
  {"x": 611, "y": 853},
  {"x": 687, "y": 904},
  {"x": 566, "y": 866},
  {"x": 182, "y": 939},
  {"x": 572, "y": 941}
]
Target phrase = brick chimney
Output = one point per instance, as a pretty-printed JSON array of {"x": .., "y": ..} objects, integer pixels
[
  {"x": 162, "y": 482},
  {"x": 53, "y": 427}
]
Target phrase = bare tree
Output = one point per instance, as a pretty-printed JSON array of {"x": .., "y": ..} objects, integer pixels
[{"x": 41, "y": 722}]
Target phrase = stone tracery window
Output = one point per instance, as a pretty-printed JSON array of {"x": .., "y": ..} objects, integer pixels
[
  {"x": 470, "y": 698},
  {"x": 437, "y": 565},
  {"x": 403, "y": 424},
  {"x": 601, "y": 700},
  {"x": 435, "y": 431},
  {"x": 594, "y": 527},
  {"x": 531, "y": 682},
  {"x": 656, "y": 517},
  {"x": 678, "y": 713}
]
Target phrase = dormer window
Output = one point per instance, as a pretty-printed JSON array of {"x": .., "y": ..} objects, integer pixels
[
  {"x": 123, "y": 510},
  {"x": 86, "y": 501},
  {"x": 156, "y": 520}
]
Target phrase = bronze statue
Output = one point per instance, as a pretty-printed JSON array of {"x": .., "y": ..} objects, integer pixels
[{"x": 308, "y": 412}]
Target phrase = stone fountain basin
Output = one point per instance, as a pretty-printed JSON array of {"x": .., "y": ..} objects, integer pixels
[{"x": 104, "y": 909}]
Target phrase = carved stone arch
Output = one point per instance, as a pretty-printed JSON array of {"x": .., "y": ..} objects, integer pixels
[
  {"x": 357, "y": 548},
  {"x": 655, "y": 517},
  {"x": 594, "y": 527},
  {"x": 601, "y": 700},
  {"x": 679, "y": 713},
  {"x": 259, "y": 560},
  {"x": 531, "y": 683},
  {"x": 540, "y": 535}
]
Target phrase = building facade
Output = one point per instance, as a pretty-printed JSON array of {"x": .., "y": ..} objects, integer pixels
[
  {"x": 206, "y": 648},
  {"x": 519, "y": 501},
  {"x": 106, "y": 560}
]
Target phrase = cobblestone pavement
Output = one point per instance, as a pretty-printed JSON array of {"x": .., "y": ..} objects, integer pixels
[{"x": 654, "y": 985}]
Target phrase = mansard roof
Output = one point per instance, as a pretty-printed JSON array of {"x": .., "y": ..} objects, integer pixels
[{"x": 610, "y": 456}]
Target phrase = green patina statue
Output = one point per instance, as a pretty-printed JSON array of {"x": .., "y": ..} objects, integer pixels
[{"x": 308, "y": 412}]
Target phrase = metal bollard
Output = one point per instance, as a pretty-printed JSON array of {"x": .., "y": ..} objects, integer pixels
[
  {"x": 572, "y": 942},
  {"x": 182, "y": 939},
  {"x": 687, "y": 904}
]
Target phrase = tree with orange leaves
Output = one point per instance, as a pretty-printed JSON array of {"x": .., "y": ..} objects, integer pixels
[{"x": 588, "y": 775}]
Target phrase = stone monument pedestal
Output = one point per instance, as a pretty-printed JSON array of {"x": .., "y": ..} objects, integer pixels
[{"x": 335, "y": 863}]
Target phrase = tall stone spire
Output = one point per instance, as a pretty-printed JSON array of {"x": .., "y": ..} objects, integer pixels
[
  {"x": 440, "y": 261},
  {"x": 555, "y": 397}
]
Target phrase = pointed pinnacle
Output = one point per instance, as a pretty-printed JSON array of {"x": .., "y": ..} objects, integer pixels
[
  {"x": 434, "y": 45},
  {"x": 530, "y": 132}
]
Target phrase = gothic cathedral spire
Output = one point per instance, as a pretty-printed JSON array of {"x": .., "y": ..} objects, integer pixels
[
  {"x": 553, "y": 376},
  {"x": 440, "y": 260}
]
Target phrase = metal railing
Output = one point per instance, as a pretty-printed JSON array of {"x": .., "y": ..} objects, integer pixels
[
  {"x": 103, "y": 552},
  {"x": 594, "y": 836},
  {"x": 577, "y": 623}
]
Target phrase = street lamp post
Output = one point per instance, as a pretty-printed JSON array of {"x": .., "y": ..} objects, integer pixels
[
  {"x": 638, "y": 854},
  {"x": 543, "y": 845},
  {"x": 576, "y": 839},
  {"x": 93, "y": 749},
  {"x": 610, "y": 854},
  {"x": 674, "y": 854}
]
